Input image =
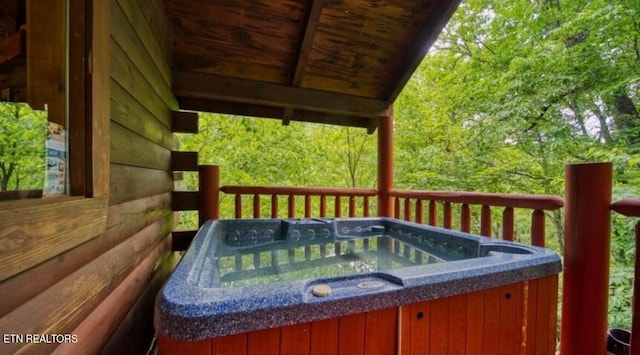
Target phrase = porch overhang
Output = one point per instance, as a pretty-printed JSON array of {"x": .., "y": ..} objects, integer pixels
[{"x": 340, "y": 62}]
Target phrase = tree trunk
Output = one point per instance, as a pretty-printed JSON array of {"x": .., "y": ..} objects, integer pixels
[{"x": 626, "y": 117}]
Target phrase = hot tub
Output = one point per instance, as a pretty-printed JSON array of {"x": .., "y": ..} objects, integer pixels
[{"x": 356, "y": 286}]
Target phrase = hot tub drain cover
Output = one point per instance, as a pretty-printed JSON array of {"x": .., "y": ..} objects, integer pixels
[{"x": 321, "y": 290}]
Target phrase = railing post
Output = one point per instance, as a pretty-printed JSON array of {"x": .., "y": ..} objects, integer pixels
[
  {"x": 586, "y": 258},
  {"x": 385, "y": 164},
  {"x": 209, "y": 195}
]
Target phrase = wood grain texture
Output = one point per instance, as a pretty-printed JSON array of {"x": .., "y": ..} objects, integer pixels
[
  {"x": 61, "y": 308},
  {"x": 184, "y": 122},
  {"x": 132, "y": 33},
  {"x": 208, "y": 86},
  {"x": 96, "y": 329},
  {"x": 158, "y": 22},
  {"x": 132, "y": 183},
  {"x": 475, "y": 322},
  {"x": 458, "y": 324},
  {"x": 130, "y": 113},
  {"x": 439, "y": 330},
  {"x": 324, "y": 337},
  {"x": 294, "y": 339},
  {"x": 122, "y": 222},
  {"x": 99, "y": 69},
  {"x": 351, "y": 334},
  {"x": 46, "y": 57},
  {"x": 136, "y": 331},
  {"x": 126, "y": 73},
  {"x": 33, "y": 234},
  {"x": 355, "y": 47},
  {"x": 381, "y": 332},
  {"x": 230, "y": 345},
  {"x": 264, "y": 342},
  {"x": 140, "y": 18},
  {"x": 129, "y": 148}
]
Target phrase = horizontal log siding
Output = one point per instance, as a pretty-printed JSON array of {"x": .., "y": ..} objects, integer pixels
[
  {"x": 141, "y": 177},
  {"x": 124, "y": 220}
]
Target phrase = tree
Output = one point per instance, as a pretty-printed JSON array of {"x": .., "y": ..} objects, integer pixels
[{"x": 22, "y": 144}]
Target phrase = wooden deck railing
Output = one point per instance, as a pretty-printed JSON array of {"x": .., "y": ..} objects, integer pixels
[
  {"x": 319, "y": 194},
  {"x": 631, "y": 208},
  {"x": 406, "y": 201}
]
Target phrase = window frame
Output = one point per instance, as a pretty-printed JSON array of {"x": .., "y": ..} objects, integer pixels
[{"x": 35, "y": 230}]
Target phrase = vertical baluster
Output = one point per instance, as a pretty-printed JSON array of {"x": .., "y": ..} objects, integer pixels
[
  {"x": 396, "y": 208},
  {"x": 485, "y": 221},
  {"x": 323, "y": 206},
  {"x": 307, "y": 206},
  {"x": 419, "y": 216},
  {"x": 507, "y": 224},
  {"x": 446, "y": 223},
  {"x": 465, "y": 218},
  {"x": 365, "y": 207},
  {"x": 307, "y": 214},
  {"x": 338, "y": 206},
  {"x": 433, "y": 213},
  {"x": 352, "y": 206},
  {"x": 274, "y": 206},
  {"x": 238, "y": 206},
  {"x": 407, "y": 209},
  {"x": 538, "y": 228},
  {"x": 256, "y": 206},
  {"x": 291, "y": 212},
  {"x": 256, "y": 260}
]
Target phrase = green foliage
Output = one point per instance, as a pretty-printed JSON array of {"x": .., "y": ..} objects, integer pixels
[
  {"x": 513, "y": 91},
  {"x": 22, "y": 147},
  {"x": 255, "y": 151}
]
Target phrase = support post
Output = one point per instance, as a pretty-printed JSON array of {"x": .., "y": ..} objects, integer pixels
[
  {"x": 385, "y": 164},
  {"x": 209, "y": 196},
  {"x": 586, "y": 258}
]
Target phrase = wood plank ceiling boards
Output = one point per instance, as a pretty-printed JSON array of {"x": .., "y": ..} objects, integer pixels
[{"x": 340, "y": 62}]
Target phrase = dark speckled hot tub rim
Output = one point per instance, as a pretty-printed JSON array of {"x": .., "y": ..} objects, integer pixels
[{"x": 185, "y": 311}]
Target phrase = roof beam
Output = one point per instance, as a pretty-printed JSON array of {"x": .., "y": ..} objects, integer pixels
[
  {"x": 204, "y": 105},
  {"x": 220, "y": 88},
  {"x": 307, "y": 41},
  {"x": 425, "y": 39}
]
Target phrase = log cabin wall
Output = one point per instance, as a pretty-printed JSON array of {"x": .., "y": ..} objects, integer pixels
[
  {"x": 99, "y": 276},
  {"x": 139, "y": 218}
]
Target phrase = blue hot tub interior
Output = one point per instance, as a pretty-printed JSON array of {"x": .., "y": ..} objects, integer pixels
[
  {"x": 267, "y": 251},
  {"x": 252, "y": 274}
]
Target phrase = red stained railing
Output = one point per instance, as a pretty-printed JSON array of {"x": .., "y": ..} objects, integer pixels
[
  {"x": 319, "y": 195},
  {"x": 414, "y": 199},
  {"x": 631, "y": 208},
  {"x": 408, "y": 204}
]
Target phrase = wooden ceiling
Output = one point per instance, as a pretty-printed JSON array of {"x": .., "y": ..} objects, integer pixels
[{"x": 330, "y": 61}]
